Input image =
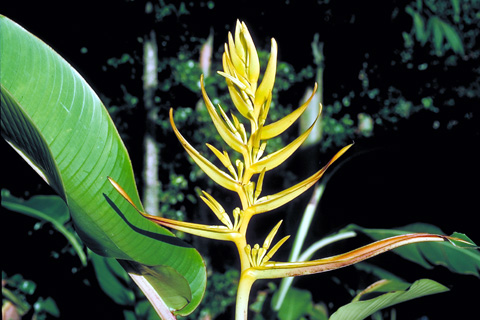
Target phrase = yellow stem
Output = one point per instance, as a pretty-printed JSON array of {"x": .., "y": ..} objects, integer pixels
[
  {"x": 243, "y": 196},
  {"x": 247, "y": 279},
  {"x": 241, "y": 243}
]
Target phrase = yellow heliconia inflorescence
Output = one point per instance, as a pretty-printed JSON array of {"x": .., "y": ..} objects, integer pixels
[{"x": 241, "y": 70}]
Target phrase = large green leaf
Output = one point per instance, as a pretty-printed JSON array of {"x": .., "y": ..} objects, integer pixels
[
  {"x": 459, "y": 259},
  {"x": 53, "y": 118},
  {"x": 396, "y": 292}
]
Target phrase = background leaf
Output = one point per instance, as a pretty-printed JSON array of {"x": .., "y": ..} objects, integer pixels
[
  {"x": 296, "y": 304},
  {"x": 358, "y": 310},
  {"x": 453, "y": 38},
  {"x": 438, "y": 35},
  {"x": 47, "y": 305},
  {"x": 113, "y": 279},
  {"x": 58, "y": 124},
  {"x": 418, "y": 24},
  {"x": 455, "y": 258},
  {"x": 51, "y": 209}
]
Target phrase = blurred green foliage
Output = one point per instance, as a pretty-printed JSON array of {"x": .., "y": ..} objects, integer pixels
[
  {"x": 24, "y": 300},
  {"x": 48, "y": 209}
]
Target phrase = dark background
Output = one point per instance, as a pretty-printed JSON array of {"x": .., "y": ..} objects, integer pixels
[{"x": 406, "y": 173}]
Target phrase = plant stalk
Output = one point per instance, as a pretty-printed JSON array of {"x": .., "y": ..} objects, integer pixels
[{"x": 243, "y": 294}]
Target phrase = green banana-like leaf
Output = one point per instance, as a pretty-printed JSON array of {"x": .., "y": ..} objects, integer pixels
[
  {"x": 459, "y": 259},
  {"x": 394, "y": 293},
  {"x": 57, "y": 123}
]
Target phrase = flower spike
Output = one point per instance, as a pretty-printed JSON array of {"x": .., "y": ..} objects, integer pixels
[{"x": 227, "y": 135}]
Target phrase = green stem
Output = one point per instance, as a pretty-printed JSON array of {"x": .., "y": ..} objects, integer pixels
[
  {"x": 303, "y": 229},
  {"x": 306, "y": 221},
  {"x": 300, "y": 239},
  {"x": 307, "y": 254}
]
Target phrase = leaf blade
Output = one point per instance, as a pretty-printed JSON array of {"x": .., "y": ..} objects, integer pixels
[
  {"x": 48, "y": 105},
  {"x": 359, "y": 310}
]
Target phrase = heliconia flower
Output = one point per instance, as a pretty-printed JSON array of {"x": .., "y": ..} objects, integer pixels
[
  {"x": 259, "y": 256},
  {"x": 241, "y": 70}
]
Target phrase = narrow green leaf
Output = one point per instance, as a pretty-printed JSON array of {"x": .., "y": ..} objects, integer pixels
[
  {"x": 453, "y": 38},
  {"x": 359, "y": 310},
  {"x": 381, "y": 286},
  {"x": 48, "y": 306},
  {"x": 51, "y": 209},
  {"x": 418, "y": 25},
  {"x": 456, "y": 10},
  {"x": 438, "y": 34}
]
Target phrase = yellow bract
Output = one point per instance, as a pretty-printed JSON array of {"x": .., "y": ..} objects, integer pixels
[{"x": 241, "y": 70}]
